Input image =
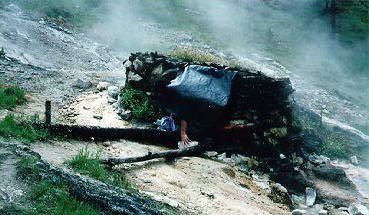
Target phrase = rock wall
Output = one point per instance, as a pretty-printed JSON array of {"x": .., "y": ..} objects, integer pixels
[{"x": 259, "y": 103}]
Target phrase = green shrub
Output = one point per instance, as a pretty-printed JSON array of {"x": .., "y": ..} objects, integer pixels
[
  {"x": 11, "y": 96},
  {"x": 22, "y": 128},
  {"x": 89, "y": 164},
  {"x": 142, "y": 106},
  {"x": 328, "y": 142},
  {"x": 334, "y": 145}
]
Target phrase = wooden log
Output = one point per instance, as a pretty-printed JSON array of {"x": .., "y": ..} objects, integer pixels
[
  {"x": 146, "y": 135},
  {"x": 48, "y": 113},
  {"x": 168, "y": 154}
]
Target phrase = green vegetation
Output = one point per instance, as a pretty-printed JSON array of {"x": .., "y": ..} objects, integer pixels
[
  {"x": 11, "y": 96},
  {"x": 142, "y": 106},
  {"x": 351, "y": 18},
  {"x": 22, "y": 128},
  {"x": 27, "y": 169},
  {"x": 327, "y": 141},
  {"x": 48, "y": 197},
  {"x": 89, "y": 164},
  {"x": 333, "y": 145}
]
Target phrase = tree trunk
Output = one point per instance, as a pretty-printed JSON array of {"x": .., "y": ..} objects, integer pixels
[
  {"x": 326, "y": 5},
  {"x": 333, "y": 16}
]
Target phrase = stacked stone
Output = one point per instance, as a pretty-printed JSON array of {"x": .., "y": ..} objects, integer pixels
[{"x": 256, "y": 100}]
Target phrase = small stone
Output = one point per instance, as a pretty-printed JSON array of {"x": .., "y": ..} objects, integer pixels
[
  {"x": 279, "y": 194},
  {"x": 97, "y": 116},
  {"x": 298, "y": 201},
  {"x": 354, "y": 160},
  {"x": 343, "y": 209},
  {"x": 111, "y": 100},
  {"x": 239, "y": 159},
  {"x": 323, "y": 212},
  {"x": 82, "y": 84},
  {"x": 173, "y": 203},
  {"x": 158, "y": 70},
  {"x": 146, "y": 181},
  {"x": 310, "y": 196},
  {"x": 125, "y": 114},
  {"x": 134, "y": 77},
  {"x": 298, "y": 212},
  {"x": 282, "y": 156},
  {"x": 106, "y": 144},
  {"x": 113, "y": 92},
  {"x": 138, "y": 65},
  {"x": 208, "y": 194},
  {"x": 191, "y": 144},
  {"x": 127, "y": 64},
  {"x": 211, "y": 153},
  {"x": 102, "y": 85},
  {"x": 222, "y": 156},
  {"x": 358, "y": 209}
]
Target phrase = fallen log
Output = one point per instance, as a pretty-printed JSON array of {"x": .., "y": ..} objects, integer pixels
[
  {"x": 113, "y": 199},
  {"x": 149, "y": 135},
  {"x": 168, "y": 154}
]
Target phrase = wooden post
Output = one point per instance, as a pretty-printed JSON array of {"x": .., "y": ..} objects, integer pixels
[
  {"x": 48, "y": 112},
  {"x": 321, "y": 116}
]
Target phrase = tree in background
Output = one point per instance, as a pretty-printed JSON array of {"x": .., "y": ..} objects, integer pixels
[{"x": 350, "y": 18}]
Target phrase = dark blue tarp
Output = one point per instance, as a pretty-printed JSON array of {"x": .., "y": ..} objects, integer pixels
[{"x": 199, "y": 93}]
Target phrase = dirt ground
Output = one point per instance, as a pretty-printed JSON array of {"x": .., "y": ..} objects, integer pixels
[{"x": 194, "y": 185}]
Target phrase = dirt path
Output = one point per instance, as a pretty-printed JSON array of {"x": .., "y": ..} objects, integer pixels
[{"x": 11, "y": 189}]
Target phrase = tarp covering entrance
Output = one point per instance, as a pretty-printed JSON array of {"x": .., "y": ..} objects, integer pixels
[{"x": 199, "y": 93}]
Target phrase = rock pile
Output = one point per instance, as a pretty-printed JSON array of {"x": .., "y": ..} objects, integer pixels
[{"x": 257, "y": 101}]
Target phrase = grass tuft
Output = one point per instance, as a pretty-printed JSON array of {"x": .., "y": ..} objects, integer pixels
[
  {"x": 11, "y": 96},
  {"x": 89, "y": 164},
  {"x": 142, "y": 106},
  {"x": 22, "y": 128},
  {"x": 192, "y": 55},
  {"x": 48, "y": 197},
  {"x": 53, "y": 198},
  {"x": 27, "y": 169}
]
